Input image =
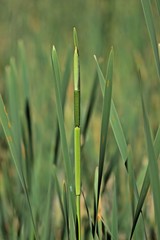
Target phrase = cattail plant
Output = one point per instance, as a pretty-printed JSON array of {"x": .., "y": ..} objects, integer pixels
[
  {"x": 40, "y": 192},
  {"x": 77, "y": 146}
]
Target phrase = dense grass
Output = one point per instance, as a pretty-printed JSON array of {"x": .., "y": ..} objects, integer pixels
[{"x": 119, "y": 191}]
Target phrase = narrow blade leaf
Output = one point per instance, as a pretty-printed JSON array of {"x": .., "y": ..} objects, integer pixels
[
  {"x": 7, "y": 127},
  {"x": 105, "y": 118},
  {"x": 114, "y": 216},
  {"x": 151, "y": 29},
  {"x": 153, "y": 168},
  {"x": 67, "y": 162}
]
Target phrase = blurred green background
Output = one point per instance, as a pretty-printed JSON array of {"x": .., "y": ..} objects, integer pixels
[{"x": 100, "y": 24}]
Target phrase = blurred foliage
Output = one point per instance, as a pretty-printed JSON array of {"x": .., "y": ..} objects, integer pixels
[{"x": 100, "y": 24}]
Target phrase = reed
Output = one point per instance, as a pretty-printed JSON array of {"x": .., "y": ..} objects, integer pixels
[
  {"x": 77, "y": 132},
  {"x": 87, "y": 178}
]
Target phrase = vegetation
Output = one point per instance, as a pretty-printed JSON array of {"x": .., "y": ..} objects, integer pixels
[{"x": 82, "y": 152}]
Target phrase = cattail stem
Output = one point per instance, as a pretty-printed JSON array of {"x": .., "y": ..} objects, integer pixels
[
  {"x": 77, "y": 160},
  {"x": 77, "y": 144}
]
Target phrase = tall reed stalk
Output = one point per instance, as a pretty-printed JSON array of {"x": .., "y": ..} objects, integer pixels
[{"x": 77, "y": 147}]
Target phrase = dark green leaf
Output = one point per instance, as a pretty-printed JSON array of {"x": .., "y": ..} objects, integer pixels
[{"x": 105, "y": 118}]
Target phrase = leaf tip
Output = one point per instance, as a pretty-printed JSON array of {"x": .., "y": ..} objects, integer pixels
[
  {"x": 95, "y": 57},
  {"x": 75, "y": 37},
  {"x": 53, "y": 48}
]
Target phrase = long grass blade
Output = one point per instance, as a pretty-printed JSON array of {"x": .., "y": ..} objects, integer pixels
[
  {"x": 115, "y": 122},
  {"x": 151, "y": 29},
  {"x": 7, "y": 128},
  {"x": 57, "y": 83},
  {"x": 118, "y": 133},
  {"x": 158, "y": 6},
  {"x": 65, "y": 151},
  {"x": 48, "y": 229},
  {"x": 66, "y": 209},
  {"x": 131, "y": 181},
  {"x": 157, "y": 143},
  {"x": 65, "y": 81},
  {"x": 11, "y": 75},
  {"x": 153, "y": 168},
  {"x": 105, "y": 120},
  {"x": 114, "y": 215},
  {"x": 95, "y": 202},
  {"x": 145, "y": 185},
  {"x": 134, "y": 197}
]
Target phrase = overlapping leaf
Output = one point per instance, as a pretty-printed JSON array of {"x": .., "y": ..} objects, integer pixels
[
  {"x": 153, "y": 168},
  {"x": 105, "y": 119}
]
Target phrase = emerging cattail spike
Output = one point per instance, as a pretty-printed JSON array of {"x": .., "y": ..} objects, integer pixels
[{"x": 76, "y": 70}]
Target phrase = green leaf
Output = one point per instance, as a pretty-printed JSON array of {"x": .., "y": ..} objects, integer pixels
[
  {"x": 100, "y": 76},
  {"x": 134, "y": 196},
  {"x": 115, "y": 122},
  {"x": 95, "y": 200},
  {"x": 146, "y": 184},
  {"x": 11, "y": 76},
  {"x": 157, "y": 143},
  {"x": 131, "y": 180},
  {"x": 65, "y": 151},
  {"x": 152, "y": 34},
  {"x": 158, "y": 5},
  {"x": 114, "y": 216},
  {"x": 118, "y": 133},
  {"x": 153, "y": 168},
  {"x": 65, "y": 205},
  {"x": 66, "y": 209},
  {"x": 7, "y": 127},
  {"x": 105, "y": 118},
  {"x": 57, "y": 81},
  {"x": 65, "y": 81}
]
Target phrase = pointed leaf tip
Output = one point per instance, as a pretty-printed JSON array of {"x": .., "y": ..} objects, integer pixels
[
  {"x": 53, "y": 48},
  {"x": 75, "y": 37},
  {"x": 95, "y": 57}
]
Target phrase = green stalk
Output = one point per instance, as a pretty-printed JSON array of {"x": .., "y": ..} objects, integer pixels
[{"x": 77, "y": 145}]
